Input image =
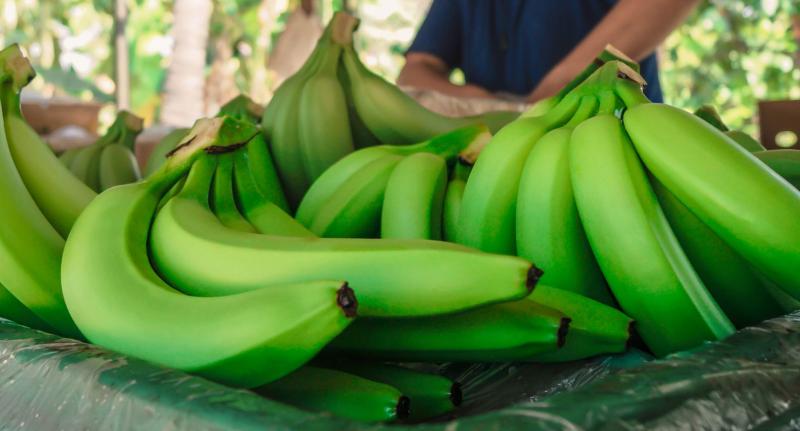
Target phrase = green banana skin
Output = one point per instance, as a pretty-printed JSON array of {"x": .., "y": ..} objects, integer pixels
[
  {"x": 431, "y": 395},
  {"x": 646, "y": 269},
  {"x": 412, "y": 202},
  {"x": 452, "y": 200},
  {"x": 121, "y": 303},
  {"x": 242, "y": 108},
  {"x": 392, "y": 277},
  {"x": 710, "y": 115},
  {"x": 265, "y": 216},
  {"x": 85, "y": 166},
  {"x": 59, "y": 195},
  {"x": 117, "y": 166},
  {"x": 30, "y": 249},
  {"x": 159, "y": 154},
  {"x": 223, "y": 203},
  {"x": 510, "y": 331},
  {"x": 362, "y": 136},
  {"x": 595, "y": 328},
  {"x": 172, "y": 192},
  {"x": 785, "y": 163},
  {"x": 12, "y": 309},
  {"x": 753, "y": 210},
  {"x": 343, "y": 394},
  {"x": 548, "y": 228},
  {"x": 729, "y": 278},
  {"x": 745, "y": 141},
  {"x": 448, "y": 145},
  {"x": 264, "y": 173},
  {"x": 67, "y": 157}
]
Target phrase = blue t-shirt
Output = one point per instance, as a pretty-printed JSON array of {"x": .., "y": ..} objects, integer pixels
[{"x": 509, "y": 45}]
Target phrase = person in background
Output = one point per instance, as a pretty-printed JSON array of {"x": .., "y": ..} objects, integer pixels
[{"x": 532, "y": 48}]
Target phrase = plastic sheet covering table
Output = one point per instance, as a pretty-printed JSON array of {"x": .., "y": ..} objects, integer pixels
[{"x": 749, "y": 381}]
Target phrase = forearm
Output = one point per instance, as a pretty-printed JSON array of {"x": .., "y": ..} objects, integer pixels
[{"x": 435, "y": 77}]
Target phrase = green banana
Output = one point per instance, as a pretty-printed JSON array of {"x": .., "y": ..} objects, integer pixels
[
  {"x": 510, "y": 331},
  {"x": 242, "y": 108},
  {"x": 160, "y": 151},
  {"x": 430, "y": 394},
  {"x": 362, "y": 136},
  {"x": 412, "y": 202},
  {"x": 324, "y": 124},
  {"x": 86, "y": 166},
  {"x": 595, "y": 328},
  {"x": 343, "y": 394},
  {"x": 264, "y": 172},
  {"x": 223, "y": 203},
  {"x": 745, "y": 141},
  {"x": 452, "y": 200},
  {"x": 730, "y": 190},
  {"x": 194, "y": 252},
  {"x": 638, "y": 253},
  {"x": 59, "y": 195},
  {"x": 265, "y": 216},
  {"x": 548, "y": 228},
  {"x": 117, "y": 166},
  {"x": 121, "y": 303},
  {"x": 737, "y": 289},
  {"x": 12, "y": 309},
  {"x": 785, "y": 163},
  {"x": 30, "y": 248},
  {"x": 710, "y": 115}
]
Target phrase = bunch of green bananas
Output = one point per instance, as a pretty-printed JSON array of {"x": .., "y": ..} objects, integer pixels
[{"x": 109, "y": 161}]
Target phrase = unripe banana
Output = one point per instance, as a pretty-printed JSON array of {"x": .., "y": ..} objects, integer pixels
[
  {"x": 785, "y": 163},
  {"x": 638, "y": 253},
  {"x": 86, "y": 166},
  {"x": 745, "y": 141},
  {"x": 159, "y": 154},
  {"x": 121, "y": 303},
  {"x": 511, "y": 331},
  {"x": 223, "y": 202},
  {"x": 117, "y": 166},
  {"x": 452, "y": 200},
  {"x": 753, "y": 210},
  {"x": 265, "y": 175},
  {"x": 412, "y": 203},
  {"x": 343, "y": 394},
  {"x": 710, "y": 115},
  {"x": 242, "y": 108},
  {"x": 594, "y": 329}
]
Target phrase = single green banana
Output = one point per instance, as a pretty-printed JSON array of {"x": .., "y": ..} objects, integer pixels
[
  {"x": 324, "y": 125},
  {"x": 511, "y": 331},
  {"x": 449, "y": 145},
  {"x": 710, "y": 115},
  {"x": 121, "y": 303},
  {"x": 265, "y": 175},
  {"x": 452, "y": 200},
  {"x": 195, "y": 253},
  {"x": 595, "y": 328},
  {"x": 745, "y": 141},
  {"x": 737, "y": 289},
  {"x": 223, "y": 202},
  {"x": 265, "y": 216},
  {"x": 86, "y": 166},
  {"x": 431, "y": 395},
  {"x": 362, "y": 136},
  {"x": 785, "y": 163},
  {"x": 117, "y": 166},
  {"x": 160, "y": 151},
  {"x": 30, "y": 249},
  {"x": 242, "y": 108},
  {"x": 753, "y": 210},
  {"x": 59, "y": 195},
  {"x": 343, "y": 394},
  {"x": 412, "y": 202},
  {"x": 548, "y": 228},
  {"x": 638, "y": 253},
  {"x": 12, "y": 309}
]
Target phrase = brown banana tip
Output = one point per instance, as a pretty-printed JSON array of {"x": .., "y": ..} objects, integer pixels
[
  {"x": 464, "y": 161},
  {"x": 403, "y": 408},
  {"x": 631, "y": 332},
  {"x": 598, "y": 62},
  {"x": 346, "y": 299},
  {"x": 563, "y": 329},
  {"x": 456, "y": 395},
  {"x": 534, "y": 274},
  {"x": 222, "y": 149}
]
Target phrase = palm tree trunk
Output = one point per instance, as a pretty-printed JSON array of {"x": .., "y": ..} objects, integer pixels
[{"x": 183, "y": 90}]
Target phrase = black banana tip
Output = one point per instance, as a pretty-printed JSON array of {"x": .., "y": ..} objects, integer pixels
[
  {"x": 347, "y": 301},
  {"x": 563, "y": 329},
  {"x": 534, "y": 274},
  {"x": 456, "y": 395},
  {"x": 403, "y": 408}
]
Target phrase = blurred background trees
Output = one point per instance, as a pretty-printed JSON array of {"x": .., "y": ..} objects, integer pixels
[{"x": 730, "y": 53}]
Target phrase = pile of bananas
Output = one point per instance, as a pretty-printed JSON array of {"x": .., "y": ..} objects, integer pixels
[{"x": 297, "y": 250}]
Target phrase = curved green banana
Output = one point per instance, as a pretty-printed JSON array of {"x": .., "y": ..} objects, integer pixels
[
  {"x": 785, "y": 163},
  {"x": 121, "y": 303},
  {"x": 265, "y": 216},
  {"x": 595, "y": 328},
  {"x": 638, "y": 253},
  {"x": 265, "y": 175},
  {"x": 430, "y": 394},
  {"x": 117, "y": 166},
  {"x": 223, "y": 202},
  {"x": 412, "y": 203},
  {"x": 745, "y": 141},
  {"x": 343, "y": 394},
  {"x": 453, "y": 196},
  {"x": 511, "y": 331},
  {"x": 737, "y": 289},
  {"x": 160, "y": 151},
  {"x": 194, "y": 252},
  {"x": 548, "y": 228},
  {"x": 730, "y": 190}
]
